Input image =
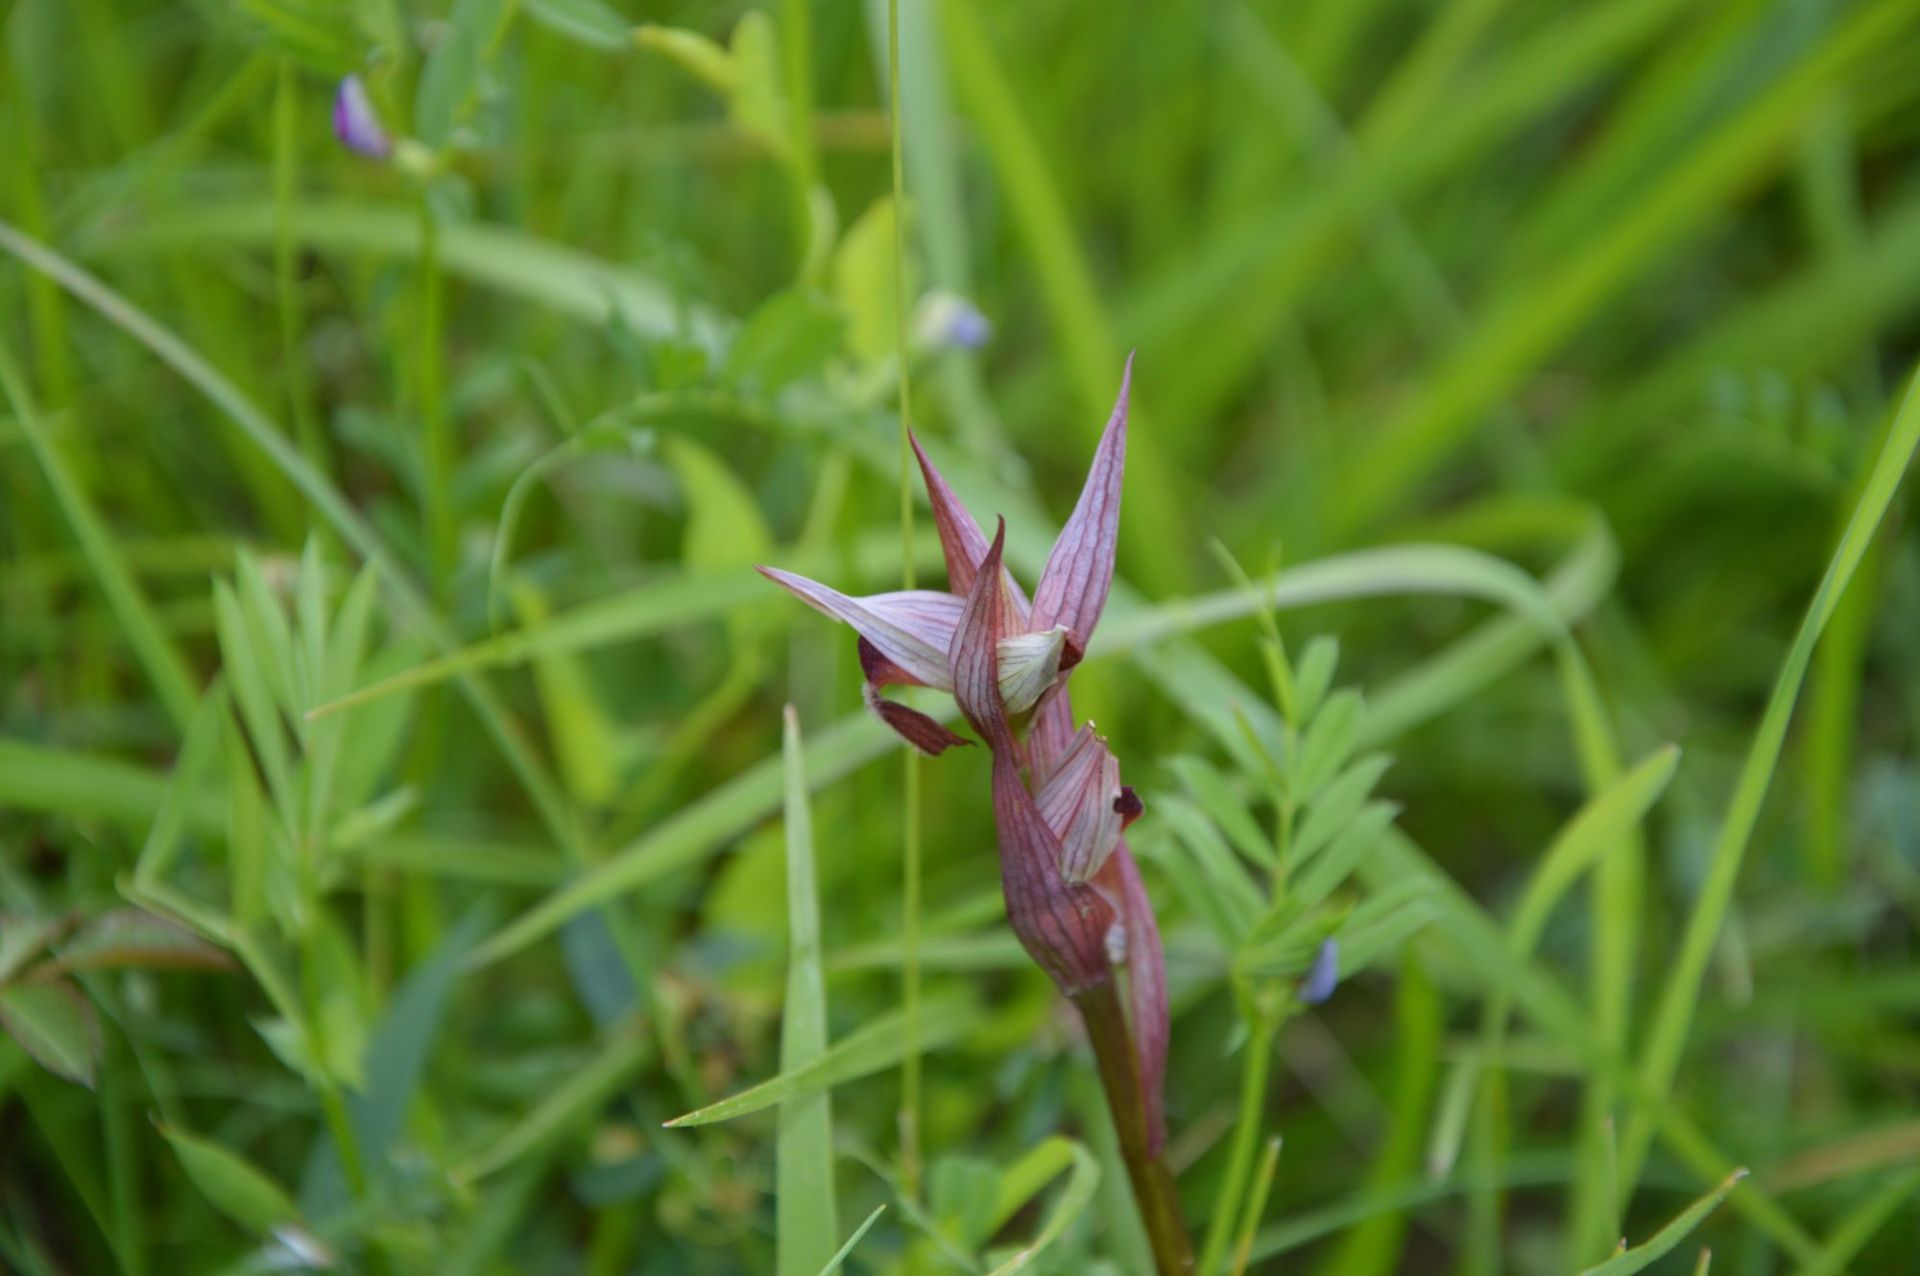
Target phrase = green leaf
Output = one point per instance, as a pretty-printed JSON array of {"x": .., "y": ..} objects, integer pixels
[
  {"x": 1315, "y": 677},
  {"x": 755, "y": 99},
  {"x": 132, "y": 937},
  {"x": 1336, "y": 808},
  {"x": 807, "y": 1221},
  {"x": 56, "y": 1024},
  {"x": 1600, "y": 825},
  {"x": 1083, "y": 1179},
  {"x": 232, "y": 1184},
  {"x": 1328, "y": 742},
  {"x": 788, "y": 337},
  {"x": 863, "y": 283},
  {"x": 591, "y": 22},
  {"x": 870, "y": 1048},
  {"x": 1643, "y": 1256},
  {"x": 697, "y": 54},
  {"x": 24, "y": 938},
  {"x": 1216, "y": 797},
  {"x": 452, "y": 74},
  {"x": 1231, "y": 897}
]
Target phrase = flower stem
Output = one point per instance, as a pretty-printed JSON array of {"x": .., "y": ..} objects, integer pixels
[{"x": 1153, "y": 1189}]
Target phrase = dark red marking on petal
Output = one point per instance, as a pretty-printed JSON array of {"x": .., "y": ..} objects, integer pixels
[
  {"x": 882, "y": 672},
  {"x": 1129, "y": 806},
  {"x": 926, "y": 734}
]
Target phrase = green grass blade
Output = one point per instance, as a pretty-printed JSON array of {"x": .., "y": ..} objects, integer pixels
[
  {"x": 172, "y": 679},
  {"x": 1667, "y": 1032},
  {"x": 840, "y": 1255},
  {"x": 503, "y": 260},
  {"x": 1083, "y": 1178},
  {"x": 1663, "y": 1242},
  {"x": 1860, "y": 1224},
  {"x": 807, "y": 1220},
  {"x": 585, "y": 1091},
  {"x": 869, "y": 1049}
]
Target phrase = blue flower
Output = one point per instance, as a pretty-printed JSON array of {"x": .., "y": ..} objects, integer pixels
[
  {"x": 950, "y": 322},
  {"x": 355, "y": 123},
  {"x": 1322, "y": 975}
]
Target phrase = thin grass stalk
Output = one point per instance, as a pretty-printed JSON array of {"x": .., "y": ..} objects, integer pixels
[
  {"x": 910, "y": 760},
  {"x": 1255, "y": 1068}
]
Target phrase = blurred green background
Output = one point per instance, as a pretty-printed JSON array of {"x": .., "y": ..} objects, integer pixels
[{"x": 1604, "y": 308}]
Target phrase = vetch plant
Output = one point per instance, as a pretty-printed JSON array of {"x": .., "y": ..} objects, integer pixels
[{"x": 1073, "y": 892}]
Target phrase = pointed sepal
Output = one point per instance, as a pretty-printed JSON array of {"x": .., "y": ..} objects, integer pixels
[
  {"x": 912, "y": 628},
  {"x": 1079, "y": 573}
]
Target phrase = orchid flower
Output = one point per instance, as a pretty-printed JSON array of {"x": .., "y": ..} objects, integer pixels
[{"x": 1074, "y": 894}]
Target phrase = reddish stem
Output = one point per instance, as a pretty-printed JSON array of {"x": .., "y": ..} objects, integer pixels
[{"x": 1153, "y": 1189}]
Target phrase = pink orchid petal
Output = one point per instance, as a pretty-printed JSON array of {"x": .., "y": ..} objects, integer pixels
[
  {"x": 926, "y": 734},
  {"x": 1079, "y": 573},
  {"x": 1079, "y": 803},
  {"x": 1146, "y": 963},
  {"x": 913, "y": 628},
  {"x": 974, "y": 657},
  {"x": 1063, "y": 925},
  {"x": 1051, "y": 734},
  {"x": 961, "y": 540}
]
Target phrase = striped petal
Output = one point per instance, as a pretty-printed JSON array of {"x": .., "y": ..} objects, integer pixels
[
  {"x": 1063, "y": 925},
  {"x": 912, "y": 628},
  {"x": 974, "y": 657},
  {"x": 1081, "y": 804},
  {"x": 961, "y": 540},
  {"x": 1073, "y": 588}
]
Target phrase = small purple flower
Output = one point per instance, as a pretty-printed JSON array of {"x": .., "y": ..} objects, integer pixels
[
  {"x": 950, "y": 322},
  {"x": 1323, "y": 975},
  {"x": 355, "y": 122}
]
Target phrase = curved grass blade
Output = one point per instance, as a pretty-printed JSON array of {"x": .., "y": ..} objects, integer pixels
[
  {"x": 1083, "y": 1178},
  {"x": 1672, "y": 1020},
  {"x": 869, "y": 1049},
  {"x": 504, "y": 260},
  {"x": 1644, "y": 1255}
]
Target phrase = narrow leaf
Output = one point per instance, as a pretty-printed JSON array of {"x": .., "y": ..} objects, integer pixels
[
  {"x": 1643, "y": 1256},
  {"x": 231, "y": 1183},
  {"x": 869, "y": 1049},
  {"x": 807, "y": 1216},
  {"x": 52, "y": 1021}
]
